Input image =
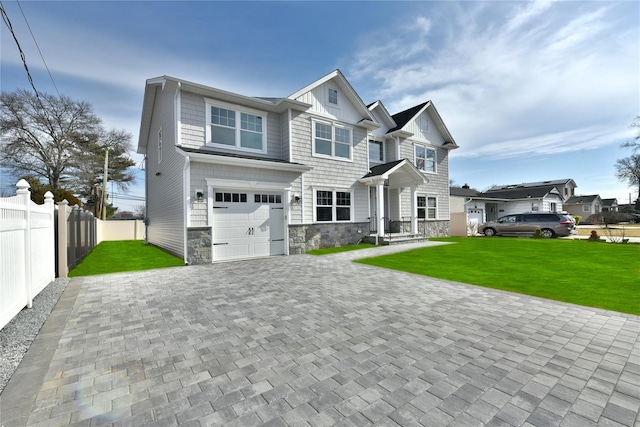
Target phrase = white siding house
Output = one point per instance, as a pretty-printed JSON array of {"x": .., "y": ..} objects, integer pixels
[{"x": 231, "y": 176}]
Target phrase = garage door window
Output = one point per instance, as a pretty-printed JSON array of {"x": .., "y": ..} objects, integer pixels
[
  {"x": 231, "y": 197},
  {"x": 268, "y": 198}
]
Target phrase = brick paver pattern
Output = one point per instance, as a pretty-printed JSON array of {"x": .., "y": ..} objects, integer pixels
[{"x": 321, "y": 341}]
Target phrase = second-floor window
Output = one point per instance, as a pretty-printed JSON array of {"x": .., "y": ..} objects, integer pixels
[
  {"x": 235, "y": 127},
  {"x": 376, "y": 151},
  {"x": 425, "y": 158},
  {"x": 331, "y": 140}
]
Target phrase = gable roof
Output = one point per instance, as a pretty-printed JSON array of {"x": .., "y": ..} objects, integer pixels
[
  {"x": 582, "y": 200},
  {"x": 521, "y": 193},
  {"x": 609, "y": 202},
  {"x": 174, "y": 84},
  {"x": 463, "y": 192},
  {"x": 404, "y": 117},
  {"x": 534, "y": 184},
  {"x": 340, "y": 80},
  {"x": 383, "y": 112},
  {"x": 399, "y": 173}
]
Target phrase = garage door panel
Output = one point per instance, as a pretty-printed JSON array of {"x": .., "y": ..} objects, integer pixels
[{"x": 248, "y": 229}]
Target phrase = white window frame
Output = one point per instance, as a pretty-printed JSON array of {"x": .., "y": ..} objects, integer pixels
[
  {"x": 334, "y": 204},
  {"x": 333, "y": 141},
  {"x": 239, "y": 110},
  {"x": 586, "y": 208},
  {"x": 427, "y": 208},
  {"x": 424, "y": 123},
  {"x": 382, "y": 150},
  {"x": 160, "y": 145},
  {"x": 329, "y": 91},
  {"x": 435, "y": 158}
]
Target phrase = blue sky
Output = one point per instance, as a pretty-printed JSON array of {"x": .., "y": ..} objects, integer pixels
[{"x": 530, "y": 91}]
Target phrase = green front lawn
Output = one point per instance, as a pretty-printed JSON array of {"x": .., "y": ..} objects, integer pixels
[
  {"x": 593, "y": 274},
  {"x": 124, "y": 255}
]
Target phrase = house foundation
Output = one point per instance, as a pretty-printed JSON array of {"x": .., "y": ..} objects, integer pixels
[{"x": 306, "y": 237}]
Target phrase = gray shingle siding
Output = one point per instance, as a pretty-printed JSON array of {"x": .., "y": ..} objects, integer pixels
[{"x": 165, "y": 198}]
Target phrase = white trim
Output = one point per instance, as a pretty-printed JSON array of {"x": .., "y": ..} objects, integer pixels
[
  {"x": 234, "y": 184},
  {"x": 329, "y": 88},
  {"x": 243, "y": 162},
  {"x": 178, "y": 113},
  {"x": 382, "y": 141},
  {"x": 426, "y": 207},
  {"x": 435, "y": 157},
  {"x": 333, "y": 190},
  {"x": 334, "y": 125},
  {"x": 238, "y": 110},
  {"x": 186, "y": 196}
]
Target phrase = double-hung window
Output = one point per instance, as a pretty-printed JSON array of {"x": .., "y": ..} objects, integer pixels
[
  {"x": 333, "y": 206},
  {"x": 330, "y": 140},
  {"x": 425, "y": 158},
  {"x": 230, "y": 126},
  {"x": 376, "y": 151},
  {"x": 427, "y": 207}
]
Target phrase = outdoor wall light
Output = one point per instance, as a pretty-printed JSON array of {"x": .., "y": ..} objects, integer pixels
[
  {"x": 199, "y": 195},
  {"x": 157, "y": 173},
  {"x": 296, "y": 199}
]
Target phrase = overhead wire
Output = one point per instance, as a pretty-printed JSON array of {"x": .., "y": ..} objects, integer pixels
[
  {"x": 38, "y": 47},
  {"x": 7, "y": 21}
]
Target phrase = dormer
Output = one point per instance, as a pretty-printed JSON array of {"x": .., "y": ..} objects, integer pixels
[{"x": 424, "y": 124}]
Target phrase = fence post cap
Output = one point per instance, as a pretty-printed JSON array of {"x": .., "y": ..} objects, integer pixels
[
  {"x": 48, "y": 195},
  {"x": 23, "y": 186},
  {"x": 63, "y": 202}
]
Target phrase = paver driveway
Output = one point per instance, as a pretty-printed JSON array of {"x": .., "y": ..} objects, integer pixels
[{"x": 303, "y": 340}]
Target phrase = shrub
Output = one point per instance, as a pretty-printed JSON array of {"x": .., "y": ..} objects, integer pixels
[
  {"x": 578, "y": 218},
  {"x": 537, "y": 234}
]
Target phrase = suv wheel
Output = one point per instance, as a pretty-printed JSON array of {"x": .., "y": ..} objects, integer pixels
[{"x": 547, "y": 233}]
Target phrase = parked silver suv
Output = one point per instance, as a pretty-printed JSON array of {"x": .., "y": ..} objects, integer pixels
[{"x": 526, "y": 224}]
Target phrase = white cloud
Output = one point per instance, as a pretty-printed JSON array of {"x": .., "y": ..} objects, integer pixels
[{"x": 543, "y": 76}]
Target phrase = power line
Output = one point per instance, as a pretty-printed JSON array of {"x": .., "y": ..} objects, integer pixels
[
  {"x": 37, "y": 46},
  {"x": 7, "y": 21}
]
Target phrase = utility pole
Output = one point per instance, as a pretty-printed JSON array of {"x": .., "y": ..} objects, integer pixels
[{"x": 104, "y": 185}]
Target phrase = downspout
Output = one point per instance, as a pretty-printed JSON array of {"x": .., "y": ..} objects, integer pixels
[
  {"x": 146, "y": 200},
  {"x": 186, "y": 179},
  {"x": 289, "y": 118}
]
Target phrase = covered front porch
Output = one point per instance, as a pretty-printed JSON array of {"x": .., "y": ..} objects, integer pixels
[{"x": 387, "y": 183}]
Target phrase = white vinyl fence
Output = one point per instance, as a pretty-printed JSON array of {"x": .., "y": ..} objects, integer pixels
[{"x": 27, "y": 250}]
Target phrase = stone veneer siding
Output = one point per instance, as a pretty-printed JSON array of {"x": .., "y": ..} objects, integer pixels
[
  {"x": 306, "y": 237},
  {"x": 435, "y": 228},
  {"x": 199, "y": 245}
]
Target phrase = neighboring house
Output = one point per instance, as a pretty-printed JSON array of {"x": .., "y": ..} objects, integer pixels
[
  {"x": 459, "y": 199},
  {"x": 584, "y": 205},
  {"x": 542, "y": 196},
  {"x": 609, "y": 205},
  {"x": 230, "y": 176}
]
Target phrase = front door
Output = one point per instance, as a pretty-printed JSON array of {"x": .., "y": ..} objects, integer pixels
[{"x": 373, "y": 204}]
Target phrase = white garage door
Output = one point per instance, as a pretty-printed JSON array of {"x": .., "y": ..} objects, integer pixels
[
  {"x": 477, "y": 214},
  {"x": 247, "y": 225}
]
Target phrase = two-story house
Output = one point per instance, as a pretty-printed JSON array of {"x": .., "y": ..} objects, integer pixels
[{"x": 230, "y": 176}]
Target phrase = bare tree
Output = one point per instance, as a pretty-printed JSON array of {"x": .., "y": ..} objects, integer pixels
[
  {"x": 52, "y": 138},
  {"x": 628, "y": 170},
  {"x": 635, "y": 141}
]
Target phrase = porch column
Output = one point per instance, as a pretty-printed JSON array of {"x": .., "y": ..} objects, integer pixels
[
  {"x": 414, "y": 209},
  {"x": 380, "y": 208}
]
